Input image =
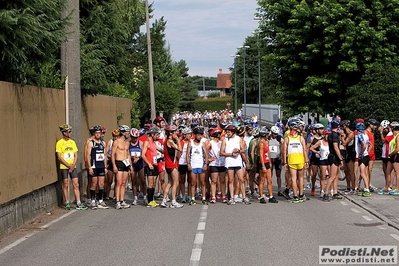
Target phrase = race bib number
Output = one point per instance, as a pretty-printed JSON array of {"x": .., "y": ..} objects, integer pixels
[
  {"x": 136, "y": 154},
  {"x": 126, "y": 162},
  {"x": 99, "y": 157},
  {"x": 154, "y": 160},
  {"x": 273, "y": 148},
  {"x": 68, "y": 156}
]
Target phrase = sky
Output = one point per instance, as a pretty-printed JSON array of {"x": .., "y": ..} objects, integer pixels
[{"x": 205, "y": 33}]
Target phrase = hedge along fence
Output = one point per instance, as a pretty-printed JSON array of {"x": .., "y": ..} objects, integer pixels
[{"x": 214, "y": 104}]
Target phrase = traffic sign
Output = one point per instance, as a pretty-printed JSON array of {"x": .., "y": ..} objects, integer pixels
[{"x": 228, "y": 103}]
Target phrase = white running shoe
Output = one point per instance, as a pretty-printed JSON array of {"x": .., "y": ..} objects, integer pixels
[
  {"x": 176, "y": 205},
  {"x": 102, "y": 205},
  {"x": 124, "y": 205},
  {"x": 238, "y": 199},
  {"x": 93, "y": 205}
]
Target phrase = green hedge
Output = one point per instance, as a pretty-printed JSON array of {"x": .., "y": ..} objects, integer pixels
[{"x": 214, "y": 104}]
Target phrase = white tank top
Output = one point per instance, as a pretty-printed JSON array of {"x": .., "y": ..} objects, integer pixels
[
  {"x": 215, "y": 152},
  {"x": 197, "y": 158},
  {"x": 324, "y": 151},
  {"x": 231, "y": 144},
  {"x": 183, "y": 160},
  {"x": 362, "y": 137},
  {"x": 274, "y": 148}
]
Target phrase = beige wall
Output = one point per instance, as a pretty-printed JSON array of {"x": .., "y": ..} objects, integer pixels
[{"x": 29, "y": 120}]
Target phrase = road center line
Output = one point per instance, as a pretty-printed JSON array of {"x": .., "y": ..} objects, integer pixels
[
  {"x": 344, "y": 203},
  {"x": 355, "y": 210},
  {"x": 199, "y": 238}
]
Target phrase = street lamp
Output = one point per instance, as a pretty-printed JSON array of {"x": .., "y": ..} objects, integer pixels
[
  {"x": 245, "y": 86},
  {"x": 235, "y": 82},
  {"x": 259, "y": 84},
  {"x": 259, "y": 88}
]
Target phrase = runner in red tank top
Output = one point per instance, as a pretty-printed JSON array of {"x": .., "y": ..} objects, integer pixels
[
  {"x": 171, "y": 148},
  {"x": 371, "y": 126},
  {"x": 264, "y": 166}
]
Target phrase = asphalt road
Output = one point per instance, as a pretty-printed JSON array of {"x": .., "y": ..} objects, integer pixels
[{"x": 270, "y": 234}]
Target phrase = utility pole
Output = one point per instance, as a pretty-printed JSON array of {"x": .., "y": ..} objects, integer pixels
[
  {"x": 235, "y": 82},
  {"x": 150, "y": 71},
  {"x": 70, "y": 68}
]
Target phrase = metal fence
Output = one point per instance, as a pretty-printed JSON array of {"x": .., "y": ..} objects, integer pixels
[{"x": 267, "y": 114}]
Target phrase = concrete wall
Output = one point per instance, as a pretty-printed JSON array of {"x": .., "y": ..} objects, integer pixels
[{"x": 29, "y": 119}]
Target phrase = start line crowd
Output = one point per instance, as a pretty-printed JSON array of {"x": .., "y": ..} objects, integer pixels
[{"x": 231, "y": 162}]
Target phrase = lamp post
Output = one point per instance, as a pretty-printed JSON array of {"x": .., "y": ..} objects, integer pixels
[
  {"x": 259, "y": 82},
  {"x": 245, "y": 86},
  {"x": 235, "y": 82}
]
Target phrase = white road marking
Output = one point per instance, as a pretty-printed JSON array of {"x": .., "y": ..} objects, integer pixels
[
  {"x": 201, "y": 226},
  {"x": 381, "y": 227},
  {"x": 19, "y": 241},
  {"x": 367, "y": 218},
  {"x": 395, "y": 236},
  {"x": 199, "y": 238},
  {"x": 56, "y": 220},
  {"x": 355, "y": 210},
  {"x": 344, "y": 203}
]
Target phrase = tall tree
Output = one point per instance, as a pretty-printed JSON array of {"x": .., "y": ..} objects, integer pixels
[
  {"x": 108, "y": 30},
  {"x": 319, "y": 49},
  {"x": 31, "y": 32},
  {"x": 376, "y": 95}
]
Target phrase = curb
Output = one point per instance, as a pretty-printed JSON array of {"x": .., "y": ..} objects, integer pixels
[{"x": 371, "y": 211}]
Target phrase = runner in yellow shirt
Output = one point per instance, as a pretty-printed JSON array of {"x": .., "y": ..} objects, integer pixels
[
  {"x": 67, "y": 155},
  {"x": 295, "y": 158}
]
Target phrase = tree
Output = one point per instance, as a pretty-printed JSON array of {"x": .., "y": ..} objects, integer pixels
[
  {"x": 319, "y": 49},
  {"x": 31, "y": 32},
  {"x": 376, "y": 95},
  {"x": 189, "y": 91},
  {"x": 108, "y": 30}
]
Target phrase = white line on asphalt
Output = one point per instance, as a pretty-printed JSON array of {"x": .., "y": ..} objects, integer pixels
[
  {"x": 367, "y": 218},
  {"x": 56, "y": 220},
  {"x": 199, "y": 238},
  {"x": 201, "y": 226},
  {"x": 344, "y": 203},
  {"x": 31, "y": 234},
  {"x": 395, "y": 236},
  {"x": 7, "y": 248},
  {"x": 355, "y": 210},
  {"x": 381, "y": 227}
]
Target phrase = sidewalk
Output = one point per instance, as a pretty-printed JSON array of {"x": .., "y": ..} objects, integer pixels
[{"x": 385, "y": 207}]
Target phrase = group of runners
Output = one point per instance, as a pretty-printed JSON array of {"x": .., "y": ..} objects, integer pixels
[{"x": 229, "y": 163}]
